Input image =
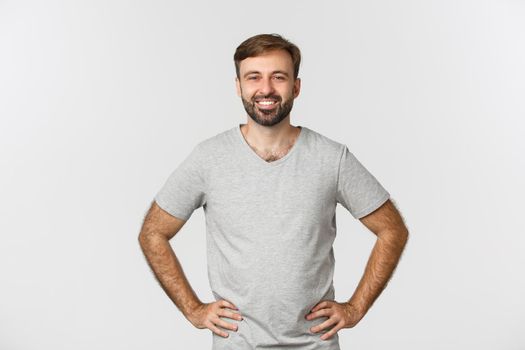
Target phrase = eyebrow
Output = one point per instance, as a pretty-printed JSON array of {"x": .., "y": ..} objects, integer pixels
[{"x": 257, "y": 72}]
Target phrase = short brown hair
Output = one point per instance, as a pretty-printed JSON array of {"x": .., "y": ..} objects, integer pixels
[{"x": 259, "y": 44}]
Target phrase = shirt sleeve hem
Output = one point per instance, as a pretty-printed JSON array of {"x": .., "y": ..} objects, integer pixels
[
  {"x": 372, "y": 207},
  {"x": 173, "y": 212}
]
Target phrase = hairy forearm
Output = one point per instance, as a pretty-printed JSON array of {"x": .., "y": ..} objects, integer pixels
[
  {"x": 166, "y": 267},
  {"x": 379, "y": 269}
]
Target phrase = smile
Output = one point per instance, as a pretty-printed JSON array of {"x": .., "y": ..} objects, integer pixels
[{"x": 266, "y": 104}]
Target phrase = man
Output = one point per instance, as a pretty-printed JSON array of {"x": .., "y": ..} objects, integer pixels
[{"x": 269, "y": 191}]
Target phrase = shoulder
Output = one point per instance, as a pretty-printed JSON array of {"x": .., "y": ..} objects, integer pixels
[
  {"x": 323, "y": 144},
  {"x": 208, "y": 149},
  {"x": 219, "y": 140}
]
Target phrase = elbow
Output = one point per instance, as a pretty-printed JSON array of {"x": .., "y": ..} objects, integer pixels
[
  {"x": 403, "y": 236},
  {"x": 142, "y": 238},
  {"x": 148, "y": 236},
  {"x": 145, "y": 237}
]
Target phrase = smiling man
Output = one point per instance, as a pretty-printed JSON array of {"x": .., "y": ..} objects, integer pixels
[{"x": 269, "y": 191}]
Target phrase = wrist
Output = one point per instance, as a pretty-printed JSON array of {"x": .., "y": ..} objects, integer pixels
[
  {"x": 356, "y": 307},
  {"x": 190, "y": 308}
]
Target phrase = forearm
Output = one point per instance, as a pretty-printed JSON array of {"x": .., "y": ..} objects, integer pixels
[
  {"x": 168, "y": 271},
  {"x": 379, "y": 269}
]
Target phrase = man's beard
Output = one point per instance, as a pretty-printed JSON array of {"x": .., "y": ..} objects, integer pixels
[{"x": 268, "y": 117}]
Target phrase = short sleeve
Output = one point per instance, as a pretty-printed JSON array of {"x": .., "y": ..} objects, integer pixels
[
  {"x": 184, "y": 190},
  {"x": 357, "y": 189}
]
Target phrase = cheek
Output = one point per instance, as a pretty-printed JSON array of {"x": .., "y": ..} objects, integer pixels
[{"x": 247, "y": 93}]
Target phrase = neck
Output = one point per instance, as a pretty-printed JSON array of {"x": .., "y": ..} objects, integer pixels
[{"x": 270, "y": 138}]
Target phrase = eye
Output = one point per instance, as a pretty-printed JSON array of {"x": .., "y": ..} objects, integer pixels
[
  {"x": 280, "y": 77},
  {"x": 252, "y": 78}
]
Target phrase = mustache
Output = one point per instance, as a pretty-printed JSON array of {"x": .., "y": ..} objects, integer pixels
[{"x": 269, "y": 97}]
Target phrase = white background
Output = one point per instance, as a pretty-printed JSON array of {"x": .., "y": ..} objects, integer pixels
[{"x": 100, "y": 100}]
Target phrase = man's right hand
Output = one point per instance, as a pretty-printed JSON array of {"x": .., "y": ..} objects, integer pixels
[{"x": 206, "y": 315}]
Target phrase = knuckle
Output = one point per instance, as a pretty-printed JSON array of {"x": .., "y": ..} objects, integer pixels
[{"x": 213, "y": 317}]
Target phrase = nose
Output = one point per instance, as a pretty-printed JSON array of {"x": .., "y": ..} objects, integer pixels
[{"x": 266, "y": 87}]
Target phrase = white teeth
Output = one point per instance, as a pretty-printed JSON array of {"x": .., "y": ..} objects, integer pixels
[{"x": 266, "y": 102}]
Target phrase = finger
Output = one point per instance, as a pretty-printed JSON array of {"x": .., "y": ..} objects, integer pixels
[
  {"x": 323, "y": 325},
  {"x": 334, "y": 330},
  {"x": 321, "y": 305},
  {"x": 229, "y": 314},
  {"x": 220, "y": 322},
  {"x": 217, "y": 331},
  {"x": 226, "y": 303},
  {"x": 316, "y": 314}
]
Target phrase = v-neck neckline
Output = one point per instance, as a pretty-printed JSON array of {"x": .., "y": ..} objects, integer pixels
[{"x": 258, "y": 159}]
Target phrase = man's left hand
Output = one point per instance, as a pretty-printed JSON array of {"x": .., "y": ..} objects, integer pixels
[{"x": 341, "y": 315}]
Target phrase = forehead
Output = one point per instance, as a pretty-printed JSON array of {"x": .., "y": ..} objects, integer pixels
[{"x": 268, "y": 61}]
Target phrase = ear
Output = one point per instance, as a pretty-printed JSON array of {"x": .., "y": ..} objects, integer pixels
[
  {"x": 296, "y": 87},
  {"x": 238, "y": 86}
]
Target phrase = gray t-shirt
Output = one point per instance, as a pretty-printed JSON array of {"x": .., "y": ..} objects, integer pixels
[{"x": 270, "y": 227}]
